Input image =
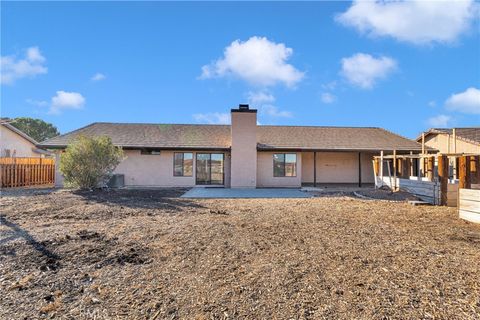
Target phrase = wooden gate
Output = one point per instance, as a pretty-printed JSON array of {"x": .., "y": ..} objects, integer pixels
[{"x": 25, "y": 172}]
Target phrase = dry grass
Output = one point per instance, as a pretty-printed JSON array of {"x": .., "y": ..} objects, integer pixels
[{"x": 140, "y": 255}]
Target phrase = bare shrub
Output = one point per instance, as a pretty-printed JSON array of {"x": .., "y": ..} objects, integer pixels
[{"x": 88, "y": 163}]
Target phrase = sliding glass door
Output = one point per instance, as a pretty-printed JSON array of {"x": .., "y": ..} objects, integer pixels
[{"x": 210, "y": 168}]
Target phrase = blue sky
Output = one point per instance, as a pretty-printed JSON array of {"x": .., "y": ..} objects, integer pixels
[{"x": 308, "y": 63}]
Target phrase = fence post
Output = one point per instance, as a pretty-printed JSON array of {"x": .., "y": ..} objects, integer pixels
[
  {"x": 464, "y": 173},
  {"x": 443, "y": 178}
]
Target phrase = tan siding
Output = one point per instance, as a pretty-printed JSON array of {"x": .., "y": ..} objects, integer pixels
[
  {"x": 157, "y": 170},
  {"x": 265, "y": 176},
  {"x": 441, "y": 143},
  {"x": 17, "y": 144},
  {"x": 337, "y": 167}
]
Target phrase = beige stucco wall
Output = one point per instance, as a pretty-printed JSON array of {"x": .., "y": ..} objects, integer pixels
[
  {"x": 337, "y": 167},
  {"x": 265, "y": 176},
  {"x": 441, "y": 143},
  {"x": 157, "y": 170},
  {"x": 244, "y": 150},
  {"x": 18, "y": 145}
]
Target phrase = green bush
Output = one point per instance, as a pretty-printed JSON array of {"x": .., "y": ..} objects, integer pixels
[{"x": 88, "y": 163}]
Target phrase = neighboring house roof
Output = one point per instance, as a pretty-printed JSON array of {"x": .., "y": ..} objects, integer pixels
[
  {"x": 471, "y": 135},
  {"x": 191, "y": 136},
  {"x": 19, "y": 132}
]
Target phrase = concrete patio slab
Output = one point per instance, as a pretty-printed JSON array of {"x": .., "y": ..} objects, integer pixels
[{"x": 209, "y": 193}]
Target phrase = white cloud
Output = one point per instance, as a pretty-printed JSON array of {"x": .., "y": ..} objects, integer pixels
[
  {"x": 363, "y": 70},
  {"x": 34, "y": 55},
  {"x": 415, "y": 21},
  {"x": 330, "y": 86},
  {"x": 432, "y": 103},
  {"x": 38, "y": 103},
  {"x": 98, "y": 77},
  {"x": 212, "y": 118},
  {"x": 258, "y": 61},
  {"x": 439, "y": 121},
  {"x": 328, "y": 98},
  {"x": 466, "y": 102},
  {"x": 66, "y": 100},
  {"x": 259, "y": 98},
  {"x": 274, "y": 111},
  {"x": 31, "y": 65}
]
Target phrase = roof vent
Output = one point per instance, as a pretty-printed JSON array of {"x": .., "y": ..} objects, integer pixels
[{"x": 243, "y": 107}]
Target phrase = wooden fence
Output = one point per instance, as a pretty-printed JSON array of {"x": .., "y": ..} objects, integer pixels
[
  {"x": 428, "y": 191},
  {"x": 432, "y": 178},
  {"x": 469, "y": 205},
  {"x": 24, "y": 172}
]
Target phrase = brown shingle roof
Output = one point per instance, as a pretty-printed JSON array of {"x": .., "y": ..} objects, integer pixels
[
  {"x": 332, "y": 138},
  {"x": 140, "y": 135},
  {"x": 188, "y": 136},
  {"x": 471, "y": 135}
]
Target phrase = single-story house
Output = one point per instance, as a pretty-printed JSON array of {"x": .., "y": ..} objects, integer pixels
[
  {"x": 452, "y": 140},
  {"x": 16, "y": 143},
  {"x": 243, "y": 154}
]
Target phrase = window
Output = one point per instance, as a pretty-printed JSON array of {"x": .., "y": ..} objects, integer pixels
[
  {"x": 150, "y": 152},
  {"x": 183, "y": 164},
  {"x": 285, "y": 165}
]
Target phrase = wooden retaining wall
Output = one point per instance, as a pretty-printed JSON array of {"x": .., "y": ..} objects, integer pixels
[
  {"x": 469, "y": 205},
  {"x": 25, "y": 172},
  {"x": 427, "y": 191}
]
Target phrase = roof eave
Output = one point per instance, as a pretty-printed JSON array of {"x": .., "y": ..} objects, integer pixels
[{"x": 139, "y": 147}]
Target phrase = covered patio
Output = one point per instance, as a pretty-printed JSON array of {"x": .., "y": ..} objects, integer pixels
[{"x": 330, "y": 169}]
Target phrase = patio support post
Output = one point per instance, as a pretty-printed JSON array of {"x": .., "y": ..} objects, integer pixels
[
  {"x": 360, "y": 169},
  {"x": 395, "y": 170},
  {"x": 443, "y": 177},
  {"x": 315, "y": 169},
  {"x": 475, "y": 169},
  {"x": 464, "y": 173},
  {"x": 381, "y": 170}
]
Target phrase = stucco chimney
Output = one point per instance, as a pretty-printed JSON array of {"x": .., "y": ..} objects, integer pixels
[{"x": 244, "y": 147}]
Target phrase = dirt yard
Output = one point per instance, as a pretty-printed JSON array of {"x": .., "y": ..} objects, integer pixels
[{"x": 152, "y": 255}]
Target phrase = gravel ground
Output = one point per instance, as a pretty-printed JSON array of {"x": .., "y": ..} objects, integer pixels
[{"x": 151, "y": 255}]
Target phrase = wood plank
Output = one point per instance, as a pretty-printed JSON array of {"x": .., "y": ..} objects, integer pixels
[
  {"x": 469, "y": 194},
  {"x": 470, "y": 205},
  {"x": 452, "y": 187},
  {"x": 452, "y": 202},
  {"x": 469, "y": 216}
]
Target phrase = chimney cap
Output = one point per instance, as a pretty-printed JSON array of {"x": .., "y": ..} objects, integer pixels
[{"x": 244, "y": 108}]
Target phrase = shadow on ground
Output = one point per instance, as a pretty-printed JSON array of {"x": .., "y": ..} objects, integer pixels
[
  {"x": 18, "y": 232},
  {"x": 26, "y": 192},
  {"x": 163, "y": 198}
]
